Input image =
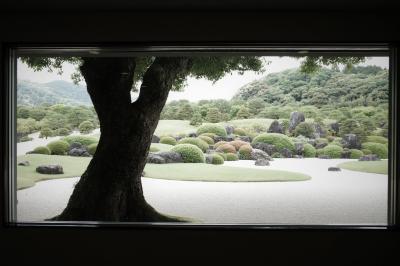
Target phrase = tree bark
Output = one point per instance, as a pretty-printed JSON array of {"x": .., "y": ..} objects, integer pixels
[{"x": 110, "y": 189}]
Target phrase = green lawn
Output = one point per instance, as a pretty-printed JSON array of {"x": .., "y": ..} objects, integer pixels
[
  {"x": 161, "y": 146},
  {"x": 174, "y": 127},
  {"x": 376, "y": 167},
  {"x": 218, "y": 173}
]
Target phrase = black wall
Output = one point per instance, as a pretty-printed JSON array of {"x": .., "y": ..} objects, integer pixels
[{"x": 80, "y": 246}]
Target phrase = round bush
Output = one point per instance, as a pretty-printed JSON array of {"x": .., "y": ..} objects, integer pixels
[
  {"x": 304, "y": 129},
  {"x": 377, "y": 139},
  {"x": 195, "y": 141},
  {"x": 58, "y": 147},
  {"x": 216, "y": 159},
  {"x": 309, "y": 151},
  {"x": 232, "y": 157},
  {"x": 366, "y": 151},
  {"x": 226, "y": 148},
  {"x": 279, "y": 140},
  {"x": 86, "y": 127},
  {"x": 212, "y": 128},
  {"x": 376, "y": 148},
  {"x": 168, "y": 140},
  {"x": 355, "y": 154},
  {"x": 245, "y": 152},
  {"x": 333, "y": 151},
  {"x": 211, "y": 135},
  {"x": 209, "y": 140},
  {"x": 63, "y": 131},
  {"x": 41, "y": 150},
  {"x": 319, "y": 152},
  {"x": 223, "y": 155},
  {"x": 84, "y": 140},
  {"x": 190, "y": 153},
  {"x": 239, "y": 131},
  {"x": 238, "y": 143},
  {"x": 323, "y": 140},
  {"x": 219, "y": 143},
  {"x": 92, "y": 148}
]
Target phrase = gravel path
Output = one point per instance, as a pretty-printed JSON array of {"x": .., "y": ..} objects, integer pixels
[{"x": 345, "y": 197}]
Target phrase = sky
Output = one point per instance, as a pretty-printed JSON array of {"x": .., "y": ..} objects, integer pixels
[{"x": 196, "y": 89}]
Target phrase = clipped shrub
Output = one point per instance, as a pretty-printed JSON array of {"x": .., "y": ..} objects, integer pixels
[
  {"x": 280, "y": 141},
  {"x": 93, "y": 147},
  {"x": 58, "y": 147},
  {"x": 86, "y": 127},
  {"x": 323, "y": 140},
  {"x": 239, "y": 131},
  {"x": 63, "y": 131},
  {"x": 377, "y": 139},
  {"x": 319, "y": 152},
  {"x": 195, "y": 141},
  {"x": 46, "y": 132},
  {"x": 84, "y": 140},
  {"x": 309, "y": 151},
  {"x": 376, "y": 148},
  {"x": 333, "y": 151},
  {"x": 305, "y": 129},
  {"x": 226, "y": 148},
  {"x": 355, "y": 154},
  {"x": 211, "y": 135},
  {"x": 219, "y": 143},
  {"x": 223, "y": 155},
  {"x": 41, "y": 150},
  {"x": 366, "y": 151},
  {"x": 231, "y": 157},
  {"x": 238, "y": 143},
  {"x": 168, "y": 140},
  {"x": 245, "y": 152},
  {"x": 190, "y": 153},
  {"x": 216, "y": 159},
  {"x": 209, "y": 140},
  {"x": 212, "y": 128}
]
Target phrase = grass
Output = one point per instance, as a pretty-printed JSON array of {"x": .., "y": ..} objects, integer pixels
[
  {"x": 218, "y": 173},
  {"x": 162, "y": 147},
  {"x": 376, "y": 167},
  {"x": 27, "y": 175},
  {"x": 174, "y": 127}
]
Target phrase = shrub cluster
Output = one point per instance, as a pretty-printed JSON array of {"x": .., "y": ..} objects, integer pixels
[
  {"x": 84, "y": 140},
  {"x": 304, "y": 129},
  {"x": 190, "y": 153},
  {"x": 210, "y": 141},
  {"x": 279, "y": 140},
  {"x": 195, "y": 141},
  {"x": 333, "y": 151},
  {"x": 377, "y": 139},
  {"x": 212, "y": 128},
  {"x": 355, "y": 154},
  {"x": 219, "y": 143},
  {"x": 168, "y": 140},
  {"x": 86, "y": 127},
  {"x": 211, "y": 135},
  {"x": 376, "y": 148},
  {"x": 309, "y": 151},
  {"x": 58, "y": 147}
]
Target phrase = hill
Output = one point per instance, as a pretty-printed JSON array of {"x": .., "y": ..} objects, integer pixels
[{"x": 32, "y": 93}]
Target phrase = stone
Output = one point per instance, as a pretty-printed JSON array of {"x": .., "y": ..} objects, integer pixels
[
  {"x": 346, "y": 153},
  {"x": 218, "y": 138},
  {"x": 170, "y": 156},
  {"x": 335, "y": 127},
  {"x": 275, "y": 127},
  {"x": 321, "y": 145},
  {"x": 79, "y": 152},
  {"x": 24, "y": 163},
  {"x": 261, "y": 162},
  {"x": 50, "y": 169},
  {"x": 295, "y": 119},
  {"x": 312, "y": 142},
  {"x": 244, "y": 138},
  {"x": 299, "y": 148},
  {"x": 334, "y": 169},
  {"x": 319, "y": 131},
  {"x": 369, "y": 157},
  {"x": 192, "y": 134},
  {"x": 209, "y": 158},
  {"x": 268, "y": 148},
  {"x": 155, "y": 139},
  {"x": 229, "y": 129},
  {"x": 230, "y": 138},
  {"x": 75, "y": 145},
  {"x": 155, "y": 158},
  {"x": 257, "y": 154},
  {"x": 351, "y": 141},
  {"x": 286, "y": 153},
  {"x": 324, "y": 157}
]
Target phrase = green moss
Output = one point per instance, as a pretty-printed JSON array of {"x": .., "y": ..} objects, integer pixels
[
  {"x": 376, "y": 167},
  {"x": 190, "y": 153}
]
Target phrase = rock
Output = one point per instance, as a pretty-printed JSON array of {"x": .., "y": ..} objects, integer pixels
[
  {"x": 79, "y": 152},
  {"x": 24, "y": 163},
  {"x": 324, "y": 157},
  {"x": 244, "y": 138},
  {"x": 334, "y": 169},
  {"x": 297, "y": 156},
  {"x": 218, "y": 138},
  {"x": 261, "y": 162},
  {"x": 51, "y": 169},
  {"x": 299, "y": 148},
  {"x": 230, "y": 137},
  {"x": 209, "y": 158},
  {"x": 335, "y": 127},
  {"x": 275, "y": 127},
  {"x": 155, "y": 158},
  {"x": 369, "y": 157},
  {"x": 312, "y": 142},
  {"x": 268, "y": 148},
  {"x": 170, "y": 156},
  {"x": 286, "y": 153},
  {"x": 257, "y": 154},
  {"x": 75, "y": 145},
  {"x": 295, "y": 119},
  {"x": 321, "y": 145},
  {"x": 229, "y": 129},
  {"x": 192, "y": 134},
  {"x": 319, "y": 131},
  {"x": 346, "y": 153},
  {"x": 351, "y": 141},
  {"x": 155, "y": 139},
  {"x": 178, "y": 138}
]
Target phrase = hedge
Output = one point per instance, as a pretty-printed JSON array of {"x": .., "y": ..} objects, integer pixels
[
  {"x": 190, "y": 153},
  {"x": 355, "y": 154}
]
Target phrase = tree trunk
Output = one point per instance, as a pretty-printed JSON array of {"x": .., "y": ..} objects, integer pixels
[{"x": 110, "y": 189}]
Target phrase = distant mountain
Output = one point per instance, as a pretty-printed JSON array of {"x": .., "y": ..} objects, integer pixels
[{"x": 59, "y": 91}]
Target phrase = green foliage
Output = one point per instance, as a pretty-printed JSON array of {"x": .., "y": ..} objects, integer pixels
[
  {"x": 195, "y": 141},
  {"x": 238, "y": 143},
  {"x": 355, "y": 154},
  {"x": 84, "y": 140},
  {"x": 210, "y": 135},
  {"x": 333, "y": 151},
  {"x": 279, "y": 140},
  {"x": 239, "y": 131},
  {"x": 216, "y": 159},
  {"x": 196, "y": 119},
  {"x": 185, "y": 112},
  {"x": 86, "y": 127},
  {"x": 305, "y": 129},
  {"x": 213, "y": 115},
  {"x": 377, "y": 139},
  {"x": 379, "y": 149},
  {"x": 309, "y": 151},
  {"x": 231, "y": 157},
  {"x": 168, "y": 140},
  {"x": 25, "y": 138},
  {"x": 209, "y": 140},
  {"x": 62, "y": 132},
  {"x": 352, "y": 126},
  {"x": 245, "y": 152},
  {"x": 366, "y": 151},
  {"x": 255, "y": 106},
  {"x": 243, "y": 113},
  {"x": 219, "y": 143},
  {"x": 45, "y": 133},
  {"x": 41, "y": 150},
  {"x": 212, "y": 128},
  {"x": 93, "y": 147},
  {"x": 58, "y": 147},
  {"x": 189, "y": 152},
  {"x": 226, "y": 148}
]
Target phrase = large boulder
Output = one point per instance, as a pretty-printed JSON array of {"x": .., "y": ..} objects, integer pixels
[
  {"x": 286, "y": 153},
  {"x": 229, "y": 129},
  {"x": 335, "y": 127},
  {"x": 351, "y": 141},
  {"x": 170, "y": 156},
  {"x": 218, "y": 138},
  {"x": 268, "y": 148},
  {"x": 261, "y": 162},
  {"x": 155, "y": 158},
  {"x": 79, "y": 152},
  {"x": 299, "y": 148},
  {"x": 24, "y": 163},
  {"x": 192, "y": 135},
  {"x": 312, "y": 142},
  {"x": 257, "y": 154},
  {"x": 320, "y": 132},
  {"x": 321, "y": 145},
  {"x": 50, "y": 169},
  {"x": 346, "y": 153},
  {"x": 75, "y": 145},
  {"x": 155, "y": 139},
  {"x": 295, "y": 119},
  {"x": 334, "y": 169},
  {"x": 322, "y": 156},
  {"x": 369, "y": 157},
  {"x": 275, "y": 127}
]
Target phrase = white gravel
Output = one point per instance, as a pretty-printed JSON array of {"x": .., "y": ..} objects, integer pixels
[{"x": 345, "y": 197}]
